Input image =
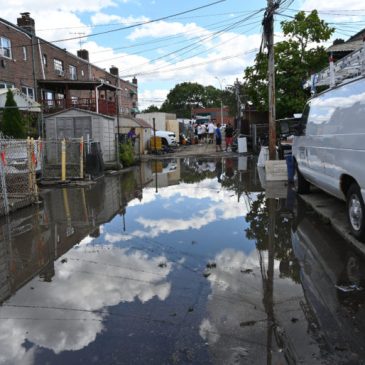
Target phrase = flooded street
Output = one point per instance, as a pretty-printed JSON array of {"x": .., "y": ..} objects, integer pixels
[{"x": 180, "y": 261}]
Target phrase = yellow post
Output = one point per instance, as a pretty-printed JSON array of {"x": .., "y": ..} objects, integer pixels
[
  {"x": 82, "y": 157},
  {"x": 63, "y": 160}
]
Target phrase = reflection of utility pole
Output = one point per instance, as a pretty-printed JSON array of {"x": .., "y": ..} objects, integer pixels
[
  {"x": 156, "y": 176},
  {"x": 269, "y": 287}
]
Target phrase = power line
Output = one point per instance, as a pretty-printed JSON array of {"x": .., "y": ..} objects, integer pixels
[
  {"x": 178, "y": 35},
  {"x": 142, "y": 23},
  {"x": 119, "y": 23},
  {"x": 186, "y": 47},
  {"x": 192, "y": 65},
  {"x": 212, "y": 36},
  {"x": 124, "y": 28}
]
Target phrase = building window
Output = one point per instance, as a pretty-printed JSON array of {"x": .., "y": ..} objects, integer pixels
[
  {"x": 6, "y": 85},
  {"x": 5, "y": 47},
  {"x": 24, "y": 53},
  {"x": 28, "y": 91},
  {"x": 82, "y": 73},
  {"x": 58, "y": 66},
  {"x": 44, "y": 59},
  {"x": 73, "y": 72}
]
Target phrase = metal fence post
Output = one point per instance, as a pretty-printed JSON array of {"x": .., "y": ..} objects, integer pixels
[
  {"x": 63, "y": 160},
  {"x": 82, "y": 157},
  {"x": 3, "y": 184}
]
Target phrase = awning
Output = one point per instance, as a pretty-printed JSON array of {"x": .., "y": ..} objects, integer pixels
[{"x": 23, "y": 101}]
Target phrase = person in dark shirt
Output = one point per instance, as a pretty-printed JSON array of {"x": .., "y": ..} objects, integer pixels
[
  {"x": 229, "y": 135},
  {"x": 132, "y": 135},
  {"x": 218, "y": 138}
]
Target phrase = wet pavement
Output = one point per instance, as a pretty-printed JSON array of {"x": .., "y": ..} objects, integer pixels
[{"x": 182, "y": 261}]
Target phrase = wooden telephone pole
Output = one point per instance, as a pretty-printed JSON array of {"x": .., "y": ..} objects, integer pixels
[{"x": 269, "y": 37}]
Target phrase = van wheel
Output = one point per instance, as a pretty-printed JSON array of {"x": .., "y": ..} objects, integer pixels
[
  {"x": 164, "y": 142},
  {"x": 355, "y": 212},
  {"x": 302, "y": 186}
]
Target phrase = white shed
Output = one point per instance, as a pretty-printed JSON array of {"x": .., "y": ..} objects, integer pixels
[{"x": 76, "y": 123}]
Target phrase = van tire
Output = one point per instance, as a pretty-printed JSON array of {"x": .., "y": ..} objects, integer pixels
[
  {"x": 302, "y": 186},
  {"x": 356, "y": 212}
]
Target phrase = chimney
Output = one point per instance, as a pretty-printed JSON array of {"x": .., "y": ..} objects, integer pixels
[
  {"x": 84, "y": 54},
  {"x": 114, "y": 71},
  {"x": 134, "y": 81},
  {"x": 26, "y": 22}
]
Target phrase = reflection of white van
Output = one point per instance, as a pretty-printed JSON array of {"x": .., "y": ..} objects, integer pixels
[{"x": 330, "y": 152}]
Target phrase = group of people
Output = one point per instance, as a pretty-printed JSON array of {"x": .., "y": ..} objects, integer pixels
[
  {"x": 229, "y": 131},
  {"x": 208, "y": 133}
]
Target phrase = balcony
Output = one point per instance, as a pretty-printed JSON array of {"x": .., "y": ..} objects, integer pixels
[{"x": 54, "y": 105}]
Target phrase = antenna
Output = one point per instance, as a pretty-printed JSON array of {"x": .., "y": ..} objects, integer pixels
[{"x": 79, "y": 34}]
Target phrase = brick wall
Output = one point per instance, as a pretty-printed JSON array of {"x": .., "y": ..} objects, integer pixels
[{"x": 22, "y": 72}]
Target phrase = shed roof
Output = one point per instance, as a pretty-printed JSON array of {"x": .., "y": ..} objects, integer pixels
[
  {"x": 346, "y": 47},
  {"x": 79, "y": 110}
]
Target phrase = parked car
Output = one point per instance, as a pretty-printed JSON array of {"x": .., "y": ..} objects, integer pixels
[
  {"x": 330, "y": 150},
  {"x": 168, "y": 138}
]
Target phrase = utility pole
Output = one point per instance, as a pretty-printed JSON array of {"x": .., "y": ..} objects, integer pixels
[
  {"x": 220, "y": 84},
  {"x": 269, "y": 37},
  {"x": 237, "y": 90}
]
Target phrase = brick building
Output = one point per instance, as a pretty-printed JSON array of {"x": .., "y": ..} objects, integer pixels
[{"x": 59, "y": 79}]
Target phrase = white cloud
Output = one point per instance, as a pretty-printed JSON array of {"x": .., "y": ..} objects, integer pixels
[
  {"x": 102, "y": 18},
  {"x": 337, "y": 10},
  {"x": 90, "y": 280},
  {"x": 163, "y": 29},
  {"x": 222, "y": 206}
]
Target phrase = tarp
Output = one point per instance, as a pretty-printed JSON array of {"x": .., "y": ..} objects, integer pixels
[{"x": 23, "y": 101}]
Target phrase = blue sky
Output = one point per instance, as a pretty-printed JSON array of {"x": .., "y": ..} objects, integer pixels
[{"x": 211, "y": 46}]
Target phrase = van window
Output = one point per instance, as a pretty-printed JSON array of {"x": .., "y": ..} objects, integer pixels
[{"x": 301, "y": 128}]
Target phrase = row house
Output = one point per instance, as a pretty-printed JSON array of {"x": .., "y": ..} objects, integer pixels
[{"x": 59, "y": 79}]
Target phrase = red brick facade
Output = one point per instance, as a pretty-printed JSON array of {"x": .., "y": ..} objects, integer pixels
[{"x": 46, "y": 71}]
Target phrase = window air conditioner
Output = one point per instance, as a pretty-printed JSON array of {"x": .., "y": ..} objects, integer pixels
[{"x": 60, "y": 72}]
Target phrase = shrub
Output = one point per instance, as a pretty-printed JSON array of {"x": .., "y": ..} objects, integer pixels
[
  {"x": 126, "y": 154},
  {"x": 12, "y": 124}
]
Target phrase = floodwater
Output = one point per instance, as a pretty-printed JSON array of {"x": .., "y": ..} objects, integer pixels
[{"x": 178, "y": 262}]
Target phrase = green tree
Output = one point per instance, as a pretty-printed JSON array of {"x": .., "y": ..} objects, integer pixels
[
  {"x": 187, "y": 95},
  {"x": 12, "y": 123},
  {"x": 151, "y": 109},
  {"x": 295, "y": 60}
]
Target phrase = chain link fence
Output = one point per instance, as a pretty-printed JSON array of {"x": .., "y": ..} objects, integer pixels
[
  {"x": 19, "y": 162},
  {"x": 71, "y": 159},
  {"x": 63, "y": 159}
]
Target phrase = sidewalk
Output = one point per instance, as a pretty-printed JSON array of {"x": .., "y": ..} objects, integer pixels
[
  {"x": 203, "y": 150},
  {"x": 335, "y": 211}
]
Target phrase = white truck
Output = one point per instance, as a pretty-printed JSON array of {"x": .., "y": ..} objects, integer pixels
[{"x": 330, "y": 150}]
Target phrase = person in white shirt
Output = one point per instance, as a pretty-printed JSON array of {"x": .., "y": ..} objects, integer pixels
[{"x": 211, "y": 129}]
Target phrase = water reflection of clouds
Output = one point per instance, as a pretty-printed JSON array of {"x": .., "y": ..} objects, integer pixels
[
  {"x": 222, "y": 205},
  {"x": 75, "y": 301},
  {"x": 236, "y": 297}
]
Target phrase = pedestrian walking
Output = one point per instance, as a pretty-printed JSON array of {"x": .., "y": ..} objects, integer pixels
[
  {"x": 211, "y": 132},
  {"x": 229, "y": 136},
  {"x": 218, "y": 138}
]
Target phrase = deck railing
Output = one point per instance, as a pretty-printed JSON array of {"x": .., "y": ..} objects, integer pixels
[{"x": 105, "y": 107}]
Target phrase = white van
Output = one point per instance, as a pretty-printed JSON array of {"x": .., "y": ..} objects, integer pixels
[
  {"x": 168, "y": 138},
  {"x": 330, "y": 150}
]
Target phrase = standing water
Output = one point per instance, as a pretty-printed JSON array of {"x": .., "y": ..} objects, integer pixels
[{"x": 177, "y": 262}]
